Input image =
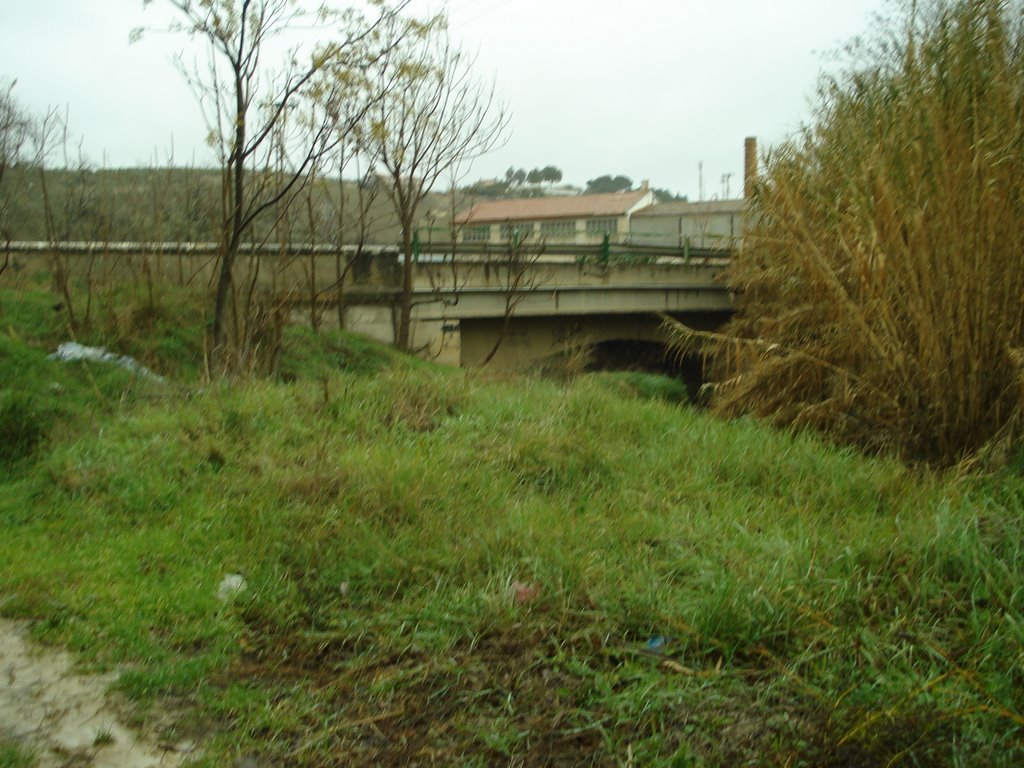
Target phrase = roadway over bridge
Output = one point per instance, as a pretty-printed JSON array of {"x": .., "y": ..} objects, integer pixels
[{"x": 539, "y": 303}]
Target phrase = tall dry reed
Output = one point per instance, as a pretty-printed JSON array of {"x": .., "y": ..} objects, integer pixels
[{"x": 880, "y": 287}]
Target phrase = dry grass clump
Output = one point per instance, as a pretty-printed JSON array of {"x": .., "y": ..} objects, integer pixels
[{"x": 880, "y": 288}]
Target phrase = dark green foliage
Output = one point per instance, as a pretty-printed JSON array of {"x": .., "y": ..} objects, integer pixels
[
  {"x": 23, "y": 426},
  {"x": 607, "y": 183},
  {"x": 647, "y": 386},
  {"x": 662, "y": 195}
]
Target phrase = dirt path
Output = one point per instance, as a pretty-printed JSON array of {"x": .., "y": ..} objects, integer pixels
[{"x": 64, "y": 718}]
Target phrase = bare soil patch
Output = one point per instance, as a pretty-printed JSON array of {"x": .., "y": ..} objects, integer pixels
[{"x": 67, "y": 719}]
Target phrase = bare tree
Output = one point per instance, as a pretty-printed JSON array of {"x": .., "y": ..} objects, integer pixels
[
  {"x": 61, "y": 216},
  {"x": 14, "y": 132},
  {"x": 518, "y": 277},
  {"x": 358, "y": 218},
  {"x": 14, "y": 129},
  {"x": 247, "y": 104},
  {"x": 434, "y": 121}
]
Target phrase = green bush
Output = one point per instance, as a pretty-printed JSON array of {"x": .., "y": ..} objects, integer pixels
[
  {"x": 879, "y": 286},
  {"x": 23, "y": 426}
]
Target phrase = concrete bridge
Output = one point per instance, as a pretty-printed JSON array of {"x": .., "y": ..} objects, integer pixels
[
  {"x": 556, "y": 302},
  {"x": 537, "y": 303}
]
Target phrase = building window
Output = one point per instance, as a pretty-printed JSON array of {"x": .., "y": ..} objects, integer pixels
[
  {"x": 520, "y": 230},
  {"x": 563, "y": 229},
  {"x": 606, "y": 226},
  {"x": 478, "y": 234}
]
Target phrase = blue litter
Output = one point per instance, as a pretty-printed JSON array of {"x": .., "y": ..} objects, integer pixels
[{"x": 656, "y": 643}]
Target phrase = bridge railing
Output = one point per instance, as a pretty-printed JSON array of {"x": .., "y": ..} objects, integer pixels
[
  {"x": 89, "y": 247},
  {"x": 596, "y": 252},
  {"x": 617, "y": 246},
  {"x": 589, "y": 252}
]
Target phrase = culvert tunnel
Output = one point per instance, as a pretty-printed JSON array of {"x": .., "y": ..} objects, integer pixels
[{"x": 649, "y": 357}]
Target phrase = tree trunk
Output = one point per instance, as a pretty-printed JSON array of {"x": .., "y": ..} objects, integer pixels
[
  {"x": 339, "y": 278},
  {"x": 236, "y": 182},
  {"x": 220, "y": 305},
  {"x": 506, "y": 321},
  {"x": 403, "y": 341}
]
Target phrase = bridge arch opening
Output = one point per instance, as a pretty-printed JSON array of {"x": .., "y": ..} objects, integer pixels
[{"x": 649, "y": 357}]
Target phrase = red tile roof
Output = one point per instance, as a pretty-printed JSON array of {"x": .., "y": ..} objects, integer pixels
[{"x": 567, "y": 207}]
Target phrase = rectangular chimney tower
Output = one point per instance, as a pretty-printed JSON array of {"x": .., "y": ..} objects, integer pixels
[{"x": 749, "y": 165}]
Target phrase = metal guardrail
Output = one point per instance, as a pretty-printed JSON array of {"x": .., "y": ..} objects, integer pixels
[
  {"x": 576, "y": 249},
  {"x": 81, "y": 247},
  {"x": 493, "y": 250}
]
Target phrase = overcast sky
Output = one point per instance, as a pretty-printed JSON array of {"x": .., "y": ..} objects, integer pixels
[{"x": 646, "y": 88}]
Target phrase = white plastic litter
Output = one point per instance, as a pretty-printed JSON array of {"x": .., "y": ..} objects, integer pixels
[
  {"x": 71, "y": 351},
  {"x": 230, "y": 587}
]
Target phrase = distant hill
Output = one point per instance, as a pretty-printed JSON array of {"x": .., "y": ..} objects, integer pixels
[{"x": 183, "y": 204}]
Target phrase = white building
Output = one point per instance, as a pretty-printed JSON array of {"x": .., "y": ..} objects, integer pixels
[
  {"x": 707, "y": 224},
  {"x": 581, "y": 219}
]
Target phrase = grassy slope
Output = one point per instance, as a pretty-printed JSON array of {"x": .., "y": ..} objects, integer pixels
[{"x": 818, "y": 608}]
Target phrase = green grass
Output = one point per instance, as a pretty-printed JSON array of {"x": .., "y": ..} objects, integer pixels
[
  {"x": 15, "y": 756},
  {"x": 818, "y": 608}
]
